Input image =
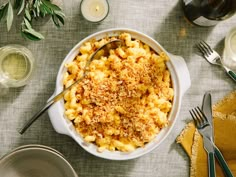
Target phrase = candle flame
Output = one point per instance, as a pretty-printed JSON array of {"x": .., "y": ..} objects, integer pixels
[{"x": 97, "y": 8}]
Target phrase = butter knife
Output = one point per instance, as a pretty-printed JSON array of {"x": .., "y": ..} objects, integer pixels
[{"x": 207, "y": 110}]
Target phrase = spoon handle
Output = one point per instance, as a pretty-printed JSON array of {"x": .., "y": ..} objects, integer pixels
[
  {"x": 56, "y": 98},
  {"x": 47, "y": 106},
  {"x": 36, "y": 116}
]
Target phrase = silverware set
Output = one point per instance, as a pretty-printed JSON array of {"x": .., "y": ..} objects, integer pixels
[
  {"x": 214, "y": 58},
  {"x": 204, "y": 126}
]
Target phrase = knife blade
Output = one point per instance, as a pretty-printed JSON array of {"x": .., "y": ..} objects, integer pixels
[{"x": 207, "y": 110}]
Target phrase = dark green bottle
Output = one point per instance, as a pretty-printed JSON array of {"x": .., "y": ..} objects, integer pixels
[{"x": 208, "y": 12}]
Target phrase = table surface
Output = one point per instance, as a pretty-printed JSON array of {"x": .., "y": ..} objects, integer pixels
[{"x": 164, "y": 21}]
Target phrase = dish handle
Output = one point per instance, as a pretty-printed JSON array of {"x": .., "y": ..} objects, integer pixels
[
  {"x": 182, "y": 72},
  {"x": 55, "y": 115}
]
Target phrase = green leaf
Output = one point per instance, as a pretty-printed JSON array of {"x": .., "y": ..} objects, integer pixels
[
  {"x": 17, "y": 3},
  {"x": 55, "y": 20},
  {"x": 60, "y": 16},
  {"x": 60, "y": 19},
  {"x": 2, "y": 6},
  {"x": 50, "y": 5},
  {"x": 33, "y": 33},
  {"x": 27, "y": 23},
  {"x": 27, "y": 14},
  {"x": 9, "y": 16},
  {"x": 34, "y": 13},
  {"x": 1, "y": 12},
  {"x": 29, "y": 36},
  {"x": 59, "y": 13},
  {"x": 4, "y": 11},
  {"x": 38, "y": 11},
  {"x": 21, "y": 7},
  {"x": 47, "y": 9},
  {"x": 43, "y": 10}
]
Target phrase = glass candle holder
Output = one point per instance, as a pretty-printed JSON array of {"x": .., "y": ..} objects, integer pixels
[
  {"x": 16, "y": 66},
  {"x": 94, "y": 10}
]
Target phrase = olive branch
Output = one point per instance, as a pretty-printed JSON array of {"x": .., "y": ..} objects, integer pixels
[{"x": 33, "y": 10}]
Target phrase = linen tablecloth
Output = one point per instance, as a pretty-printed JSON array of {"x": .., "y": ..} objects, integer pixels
[{"x": 161, "y": 19}]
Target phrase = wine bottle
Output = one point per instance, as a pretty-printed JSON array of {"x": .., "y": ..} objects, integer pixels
[{"x": 208, "y": 12}]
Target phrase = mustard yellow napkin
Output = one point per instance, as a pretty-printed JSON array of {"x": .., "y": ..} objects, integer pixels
[{"x": 224, "y": 113}]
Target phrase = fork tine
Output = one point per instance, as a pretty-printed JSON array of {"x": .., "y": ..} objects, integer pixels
[
  {"x": 197, "y": 117},
  {"x": 209, "y": 48},
  {"x": 194, "y": 119},
  {"x": 202, "y": 49},
  {"x": 202, "y": 44},
  {"x": 202, "y": 115},
  {"x": 197, "y": 121}
]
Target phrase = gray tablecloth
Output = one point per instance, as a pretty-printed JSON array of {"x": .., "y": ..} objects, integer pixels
[{"x": 161, "y": 19}]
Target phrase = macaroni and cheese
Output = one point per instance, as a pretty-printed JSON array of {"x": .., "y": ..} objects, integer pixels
[{"x": 125, "y": 98}]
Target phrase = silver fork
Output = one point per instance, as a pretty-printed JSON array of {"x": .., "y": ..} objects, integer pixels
[
  {"x": 204, "y": 128},
  {"x": 214, "y": 58}
]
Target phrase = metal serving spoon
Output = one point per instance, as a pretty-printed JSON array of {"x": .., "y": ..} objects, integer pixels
[{"x": 113, "y": 44}]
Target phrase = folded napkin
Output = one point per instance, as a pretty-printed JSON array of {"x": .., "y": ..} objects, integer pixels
[{"x": 224, "y": 114}]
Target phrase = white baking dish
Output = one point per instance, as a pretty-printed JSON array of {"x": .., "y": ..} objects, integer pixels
[{"x": 180, "y": 79}]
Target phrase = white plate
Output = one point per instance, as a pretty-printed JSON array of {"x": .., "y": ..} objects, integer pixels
[{"x": 35, "y": 161}]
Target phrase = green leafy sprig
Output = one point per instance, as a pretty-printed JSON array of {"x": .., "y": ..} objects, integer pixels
[{"x": 33, "y": 9}]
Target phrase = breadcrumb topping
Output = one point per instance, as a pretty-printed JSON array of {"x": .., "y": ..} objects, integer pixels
[{"x": 124, "y": 100}]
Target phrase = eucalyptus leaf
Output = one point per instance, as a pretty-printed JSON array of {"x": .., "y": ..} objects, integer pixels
[
  {"x": 27, "y": 14},
  {"x": 43, "y": 10},
  {"x": 33, "y": 9},
  {"x": 60, "y": 13},
  {"x": 38, "y": 11},
  {"x": 47, "y": 9},
  {"x": 35, "y": 3},
  {"x": 27, "y": 23},
  {"x": 55, "y": 20},
  {"x": 34, "y": 33},
  {"x": 1, "y": 12},
  {"x": 4, "y": 11},
  {"x": 50, "y": 5},
  {"x": 17, "y": 3},
  {"x": 60, "y": 16},
  {"x": 60, "y": 19},
  {"x": 29, "y": 36},
  {"x": 9, "y": 16},
  {"x": 21, "y": 7},
  {"x": 2, "y": 6},
  {"x": 34, "y": 13}
]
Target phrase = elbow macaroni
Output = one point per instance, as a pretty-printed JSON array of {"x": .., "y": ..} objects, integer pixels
[{"x": 124, "y": 100}]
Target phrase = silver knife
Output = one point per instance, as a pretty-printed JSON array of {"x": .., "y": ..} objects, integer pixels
[
  {"x": 207, "y": 110},
  {"x": 208, "y": 135}
]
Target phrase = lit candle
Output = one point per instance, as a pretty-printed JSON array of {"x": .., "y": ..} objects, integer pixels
[{"x": 94, "y": 10}]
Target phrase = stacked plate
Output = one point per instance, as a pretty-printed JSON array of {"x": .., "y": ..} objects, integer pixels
[{"x": 37, "y": 161}]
